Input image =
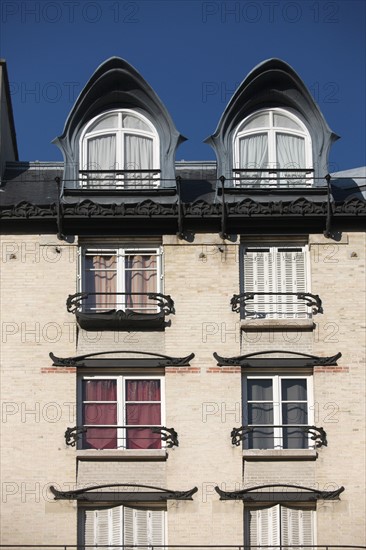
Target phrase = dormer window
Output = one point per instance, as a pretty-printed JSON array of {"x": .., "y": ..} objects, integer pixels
[
  {"x": 272, "y": 147},
  {"x": 119, "y": 150}
]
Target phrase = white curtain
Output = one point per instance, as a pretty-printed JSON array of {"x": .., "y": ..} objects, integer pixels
[
  {"x": 253, "y": 153},
  {"x": 138, "y": 156},
  {"x": 291, "y": 154},
  {"x": 102, "y": 156}
]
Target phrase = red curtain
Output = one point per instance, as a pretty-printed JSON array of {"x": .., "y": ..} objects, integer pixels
[
  {"x": 101, "y": 409},
  {"x": 143, "y": 413}
]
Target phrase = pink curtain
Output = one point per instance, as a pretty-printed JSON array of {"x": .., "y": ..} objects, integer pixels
[
  {"x": 140, "y": 276},
  {"x": 100, "y": 409},
  {"x": 143, "y": 413},
  {"x": 101, "y": 276}
]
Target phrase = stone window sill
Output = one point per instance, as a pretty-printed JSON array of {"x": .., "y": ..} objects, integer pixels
[
  {"x": 126, "y": 454},
  {"x": 248, "y": 325},
  {"x": 280, "y": 454}
]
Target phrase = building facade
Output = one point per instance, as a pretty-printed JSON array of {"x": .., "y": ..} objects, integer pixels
[{"x": 183, "y": 347}]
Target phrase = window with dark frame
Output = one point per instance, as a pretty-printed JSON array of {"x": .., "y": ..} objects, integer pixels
[{"x": 119, "y": 411}]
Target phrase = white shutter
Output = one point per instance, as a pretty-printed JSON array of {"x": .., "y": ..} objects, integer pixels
[
  {"x": 259, "y": 277},
  {"x": 263, "y": 527},
  {"x": 144, "y": 527},
  {"x": 290, "y": 277},
  {"x": 89, "y": 527},
  {"x": 157, "y": 527},
  {"x": 128, "y": 527},
  {"x": 116, "y": 527},
  {"x": 102, "y": 527},
  {"x": 297, "y": 527}
]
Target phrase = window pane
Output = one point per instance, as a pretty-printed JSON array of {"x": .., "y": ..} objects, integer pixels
[
  {"x": 293, "y": 389},
  {"x": 100, "y": 413},
  {"x": 144, "y": 414},
  {"x": 100, "y": 438},
  {"x": 294, "y": 439},
  {"x": 257, "y": 121},
  {"x": 141, "y": 276},
  {"x": 131, "y": 121},
  {"x": 99, "y": 390},
  {"x": 143, "y": 390},
  {"x": 142, "y": 438},
  {"x": 101, "y": 276},
  {"x": 253, "y": 151},
  {"x": 102, "y": 153},
  {"x": 260, "y": 413},
  {"x": 294, "y": 413},
  {"x": 109, "y": 121},
  {"x": 260, "y": 390},
  {"x": 290, "y": 151},
  {"x": 283, "y": 121}
]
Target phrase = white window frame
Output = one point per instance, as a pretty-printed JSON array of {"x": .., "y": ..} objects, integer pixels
[
  {"x": 120, "y": 134},
  {"x": 121, "y": 252},
  {"x": 266, "y": 305},
  {"x": 119, "y": 535},
  {"x": 121, "y": 406},
  {"x": 277, "y": 405},
  {"x": 269, "y": 527},
  {"x": 271, "y": 131}
]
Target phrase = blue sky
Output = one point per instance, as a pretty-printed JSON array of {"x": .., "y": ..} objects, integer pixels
[{"x": 193, "y": 53}]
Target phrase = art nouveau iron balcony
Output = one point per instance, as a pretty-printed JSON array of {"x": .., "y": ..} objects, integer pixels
[
  {"x": 120, "y": 310},
  {"x": 285, "y": 178},
  {"x": 137, "y": 437},
  {"x": 276, "y": 305},
  {"x": 117, "y": 180},
  {"x": 281, "y": 436}
]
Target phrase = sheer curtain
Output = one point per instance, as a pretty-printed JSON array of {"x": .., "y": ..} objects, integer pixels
[
  {"x": 294, "y": 411},
  {"x": 100, "y": 408},
  {"x": 140, "y": 276},
  {"x": 138, "y": 156},
  {"x": 291, "y": 154},
  {"x": 101, "y": 276},
  {"x": 260, "y": 413},
  {"x": 102, "y": 156},
  {"x": 143, "y": 407},
  {"x": 253, "y": 153}
]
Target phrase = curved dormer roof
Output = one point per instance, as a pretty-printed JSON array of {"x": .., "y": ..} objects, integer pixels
[
  {"x": 273, "y": 83},
  {"x": 117, "y": 85}
]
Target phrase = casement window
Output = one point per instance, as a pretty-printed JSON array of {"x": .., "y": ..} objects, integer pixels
[
  {"x": 124, "y": 146},
  {"x": 270, "y": 404},
  {"x": 279, "y": 525},
  {"x": 275, "y": 269},
  {"x": 119, "y": 411},
  {"x": 122, "y": 525},
  {"x": 120, "y": 278},
  {"x": 272, "y": 147}
]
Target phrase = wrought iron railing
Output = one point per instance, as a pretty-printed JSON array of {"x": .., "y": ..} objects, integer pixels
[
  {"x": 289, "y": 307},
  {"x": 98, "y": 302},
  {"x": 119, "y": 179},
  {"x": 318, "y": 435},
  {"x": 183, "y": 546},
  {"x": 168, "y": 436},
  {"x": 273, "y": 177}
]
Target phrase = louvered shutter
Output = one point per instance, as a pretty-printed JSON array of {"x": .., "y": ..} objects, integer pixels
[
  {"x": 90, "y": 517},
  {"x": 144, "y": 527},
  {"x": 297, "y": 527},
  {"x": 116, "y": 527},
  {"x": 157, "y": 527},
  {"x": 263, "y": 527},
  {"x": 290, "y": 277},
  {"x": 102, "y": 527},
  {"x": 128, "y": 527},
  {"x": 259, "y": 277}
]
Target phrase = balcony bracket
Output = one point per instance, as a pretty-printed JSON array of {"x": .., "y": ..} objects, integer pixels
[
  {"x": 72, "y": 435},
  {"x": 169, "y": 435}
]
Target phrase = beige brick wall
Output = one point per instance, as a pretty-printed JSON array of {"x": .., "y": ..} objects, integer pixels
[{"x": 203, "y": 402}]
